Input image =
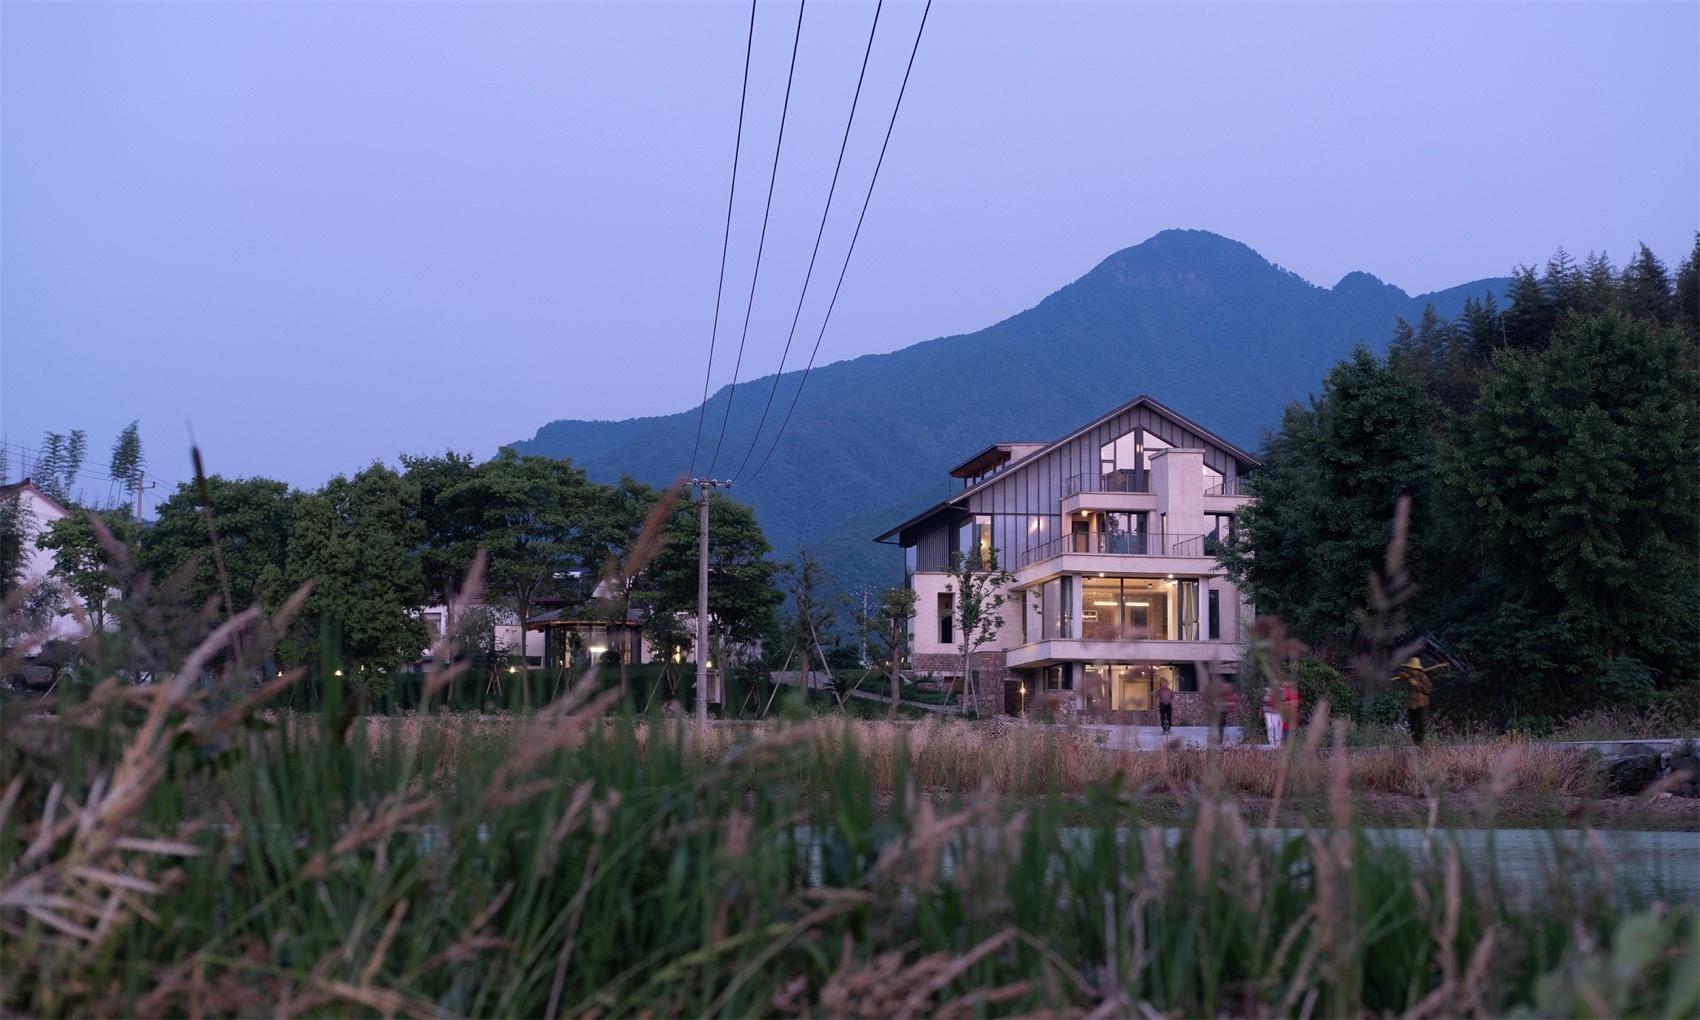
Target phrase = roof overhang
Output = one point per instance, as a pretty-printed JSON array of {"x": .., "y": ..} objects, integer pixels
[{"x": 949, "y": 509}]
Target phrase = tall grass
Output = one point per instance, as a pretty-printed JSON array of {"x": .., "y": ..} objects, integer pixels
[{"x": 167, "y": 850}]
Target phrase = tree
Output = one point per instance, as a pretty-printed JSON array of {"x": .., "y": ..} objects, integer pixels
[
  {"x": 58, "y": 464},
  {"x": 535, "y": 516},
  {"x": 254, "y": 517},
  {"x": 17, "y": 524},
  {"x": 356, "y": 539},
  {"x": 979, "y": 589},
  {"x": 1578, "y": 466},
  {"x": 1529, "y": 321},
  {"x": 448, "y": 538},
  {"x": 741, "y": 594},
  {"x": 896, "y": 609},
  {"x": 1646, "y": 289},
  {"x": 1322, "y": 504},
  {"x": 127, "y": 463},
  {"x": 82, "y": 561},
  {"x": 803, "y": 578},
  {"x": 1687, "y": 297}
]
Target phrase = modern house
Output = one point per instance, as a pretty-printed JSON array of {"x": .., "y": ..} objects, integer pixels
[{"x": 1109, "y": 532}]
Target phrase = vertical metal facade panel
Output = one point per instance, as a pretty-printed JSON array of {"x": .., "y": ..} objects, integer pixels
[{"x": 1034, "y": 486}]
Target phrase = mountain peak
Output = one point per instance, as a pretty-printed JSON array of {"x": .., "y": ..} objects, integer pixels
[{"x": 1361, "y": 284}]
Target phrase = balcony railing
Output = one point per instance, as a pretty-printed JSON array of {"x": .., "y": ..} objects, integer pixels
[
  {"x": 1230, "y": 487},
  {"x": 1126, "y": 480},
  {"x": 1116, "y": 543}
]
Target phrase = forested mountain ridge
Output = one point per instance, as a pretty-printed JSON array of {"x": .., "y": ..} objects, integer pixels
[{"x": 1203, "y": 323}]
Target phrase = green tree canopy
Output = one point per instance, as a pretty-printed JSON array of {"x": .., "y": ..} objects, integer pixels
[
  {"x": 1323, "y": 502},
  {"x": 357, "y": 540},
  {"x": 1579, "y": 469},
  {"x": 540, "y": 519},
  {"x": 254, "y": 518},
  {"x": 741, "y": 594},
  {"x": 82, "y": 562}
]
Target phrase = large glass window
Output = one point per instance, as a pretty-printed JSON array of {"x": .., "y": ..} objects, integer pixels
[
  {"x": 1124, "y": 609},
  {"x": 974, "y": 540},
  {"x": 1057, "y": 596},
  {"x": 1125, "y": 532},
  {"x": 1118, "y": 687},
  {"x": 1187, "y": 608}
]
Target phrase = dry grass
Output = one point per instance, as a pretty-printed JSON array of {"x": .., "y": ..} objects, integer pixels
[{"x": 950, "y": 754}]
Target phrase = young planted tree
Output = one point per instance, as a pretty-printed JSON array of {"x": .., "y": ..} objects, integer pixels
[
  {"x": 896, "y": 609},
  {"x": 980, "y": 591},
  {"x": 803, "y": 579},
  {"x": 82, "y": 562}
]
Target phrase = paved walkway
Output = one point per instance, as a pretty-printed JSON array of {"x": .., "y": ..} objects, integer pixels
[{"x": 1150, "y": 738}]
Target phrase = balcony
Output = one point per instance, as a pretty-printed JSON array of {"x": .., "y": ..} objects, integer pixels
[
  {"x": 1115, "y": 481},
  {"x": 1116, "y": 543},
  {"x": 1230, "y": 487}
]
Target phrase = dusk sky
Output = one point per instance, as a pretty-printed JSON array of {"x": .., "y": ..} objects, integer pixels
[{"x": 321, "y": 234}]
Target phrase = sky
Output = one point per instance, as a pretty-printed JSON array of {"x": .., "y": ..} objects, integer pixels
[{"x": 312, "y": 235}]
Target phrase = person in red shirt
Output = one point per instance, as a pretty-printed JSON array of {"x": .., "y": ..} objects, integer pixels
[{"x": 1289, "y": 707}]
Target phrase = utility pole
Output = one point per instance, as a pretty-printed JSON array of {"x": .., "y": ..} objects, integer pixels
[
  {"x": 703, "y": 485},
  {"x": 140, "y": 486}
]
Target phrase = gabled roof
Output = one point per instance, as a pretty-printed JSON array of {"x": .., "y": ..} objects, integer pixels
[
  {"x": 1035, "y": 451},
  {"x": 16, "y": 488},
  {"x": 1147, "y": 401},
  {"x": 992, "y": 456}
]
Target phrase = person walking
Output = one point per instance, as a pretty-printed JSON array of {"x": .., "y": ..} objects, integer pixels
[
  {"x": 1227, "y": 707},
  {"x": 1272, "y": 716},
  {"x": 1289, "y": 709},
  {"x": 1418, "y": 686},
  {"x": 1165, "y": 706}
]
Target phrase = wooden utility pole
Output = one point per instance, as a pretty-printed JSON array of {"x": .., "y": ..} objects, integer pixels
[
  {"x": 141, "y": 484},
  {"x": 703, "y": 485}
]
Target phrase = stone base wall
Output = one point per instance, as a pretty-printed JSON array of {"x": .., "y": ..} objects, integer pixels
[
  {"x": 1190, "y": 710},
  {"x": 993, "y": 673}
]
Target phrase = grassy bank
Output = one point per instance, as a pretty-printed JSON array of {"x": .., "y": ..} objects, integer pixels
[{"x": 166, "y": 851}]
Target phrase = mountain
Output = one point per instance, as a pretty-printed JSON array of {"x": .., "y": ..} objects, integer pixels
[{"x": 1203, "y": 323}]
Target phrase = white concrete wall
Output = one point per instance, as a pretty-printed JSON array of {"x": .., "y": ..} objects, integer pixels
[
  {"x": 41, "y": 512},
  {"x": 928, "y": 587}
]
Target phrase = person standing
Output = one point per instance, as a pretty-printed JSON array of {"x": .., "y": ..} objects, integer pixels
[
  {"x": 1227, "y": 707},
  {"x": 1289, "y": 709},
  {"x": 1165, "y": 706},
  {"x": 1418, "y": 686},
  {"x": 1272, "y": 716}
]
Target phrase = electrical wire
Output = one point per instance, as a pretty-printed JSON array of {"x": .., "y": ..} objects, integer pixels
[
  {"x": 726, "y": 238},
  {"x": 853, "y": 238},
  {"x": 761, "y": 243},
  {"x": 755, "y": 439}
]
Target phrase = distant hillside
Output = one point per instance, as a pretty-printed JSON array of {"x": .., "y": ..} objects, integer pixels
[{"x": 1202, "y": 323}]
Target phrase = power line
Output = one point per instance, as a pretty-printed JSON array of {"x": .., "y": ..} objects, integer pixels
[
  {"x": 726, "y": 239},
  {"x": 761, "y": 243},
  {"x": 853, "y": 237},
  {"x": 755, "y": 439},
  {"x": 31, "y": 455}
]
